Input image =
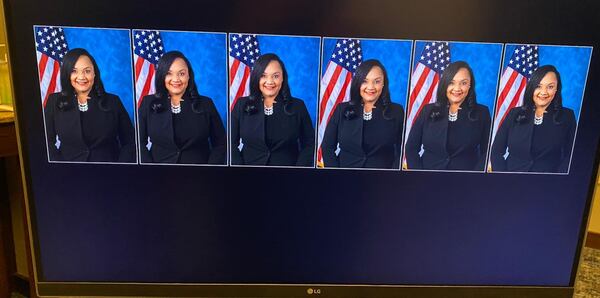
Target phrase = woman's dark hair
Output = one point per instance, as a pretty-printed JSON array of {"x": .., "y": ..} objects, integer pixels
[
  {"x": 528, "y": 107},
  {"x": 255, "y": 97},
  {"x": 68, "y": 92},
  {"x": 357, "y": 80},
  {"x": 442, "y": 99},
  {"x": 162, "y": 69}
]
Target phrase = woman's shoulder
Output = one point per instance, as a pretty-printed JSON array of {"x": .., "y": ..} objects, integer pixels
[
  {"x": 204, "y": 100},
  {"x": 396, "y": 107},
  {"x": 297, "y": 101},
  {"x": 427, "y": 109},
  {"x": 481, "y": 107},
  {"x": 514, "y": 112},
  {"x": 567, "y": 111},
  {"x": 110, "y": 98},
  {"x": 297, "y": 104},
  {"x": 343, "y": 105},
  {"x": 241, "y": 101},
  {"x": 60, "y": 101},
  {"x": 568, "y": 115},
  {"x": 55, "y": 96}
]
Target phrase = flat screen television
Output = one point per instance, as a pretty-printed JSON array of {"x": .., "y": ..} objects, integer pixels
[{"x": 305, "y": 148}]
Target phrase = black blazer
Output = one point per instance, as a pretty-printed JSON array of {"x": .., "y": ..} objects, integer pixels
[
  {"x": 555, "y": 139},
  {"x": 111, "y": 138},
  {"x": 432, "y": 136},
  {"x": 297, "y": 140},
  {"x": 348, "y": 134},
  {"x": 208, "y": 141}
]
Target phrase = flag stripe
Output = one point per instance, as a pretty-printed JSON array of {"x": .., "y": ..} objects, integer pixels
[
  {"x": 326, "y": 78},
  {"x": 425, "y": 96},
  {"x": 52, "y": 86},
  {"x": 421, "y": 72},
  {"x": 515, "y": 101},
  {"x": 141, "y": 80},
  {"x": 139, "y": 63},
  {"x": 146, "y": 89},
  {"x": 233, "y": 72},
  {"x": 242, "y": 91},
  {"x": 508, "y": 86},
  {"x": 338, "y": 94},
  {"x": 42, "y": 65},
  {"x": 333, "y": 81}
]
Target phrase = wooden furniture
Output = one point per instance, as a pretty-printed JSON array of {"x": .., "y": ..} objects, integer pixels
[{"x": 15, "y": 254}]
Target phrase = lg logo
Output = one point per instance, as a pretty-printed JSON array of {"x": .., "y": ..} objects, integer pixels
[{"x": 311, "y": 291}]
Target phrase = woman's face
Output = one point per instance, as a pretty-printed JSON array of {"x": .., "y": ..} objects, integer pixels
[
  {"x": 82, "y": 75},
  {"x": 371, "y": 87},
  {"x": 545, "y": 91},
  {"x": 271, "y": 80},
  {"x": 178, "y": 77},
  {"x": 459, "y": 87}
]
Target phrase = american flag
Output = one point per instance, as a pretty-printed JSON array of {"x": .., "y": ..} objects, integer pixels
[
  {"x": 51, "y": 46},
  {"x": 522, "y": 63},
  {"x": 434, "y": 58},
  {"x": 243, "y": 52},
  {"x": 335, "y": 83},
  {"x": 147, "y": 49}
]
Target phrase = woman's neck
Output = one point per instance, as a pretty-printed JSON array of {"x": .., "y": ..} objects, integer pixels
[
  {"x": 83, "y": 97},
  {"x": 176, "y": 99},
  {"x": 539, "y": 111},
  {"x": 368, "y": 106},
  {"x": 269, "y": 101},
  {"x": 454, "y": 107}
]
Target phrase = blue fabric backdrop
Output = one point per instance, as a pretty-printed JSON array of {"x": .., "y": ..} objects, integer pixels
[
  {"x": 393, "y": 54},
  {"x": 484, "y": 59},
  {"x": 207, "y": 52},
  {"x": 111, "y": 48},
  {"x": 571, "y": 62}
]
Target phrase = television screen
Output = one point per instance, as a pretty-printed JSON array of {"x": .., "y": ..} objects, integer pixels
[{"x": 304, "y": 148}]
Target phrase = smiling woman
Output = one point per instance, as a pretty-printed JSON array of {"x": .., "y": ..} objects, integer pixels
[
  {"x": 177, "y": 125},
  {"x": 368, "y": 128},
  {"x": 453, "y": 132},
  {"x": 538, "y": 136},
  {"x": 83, "y": 122},
  {"x": 270, "y": 127}
]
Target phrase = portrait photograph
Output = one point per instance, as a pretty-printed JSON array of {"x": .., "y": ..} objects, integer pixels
[
  {"x": 537, "y": 109},
  {"x": 451, "y": 99},
  {"x": 181, "y": 96},
  {"x": 86, "y": 90},
  {"x": 364, "y": 85},
  {"x": 273, "y": 89}
]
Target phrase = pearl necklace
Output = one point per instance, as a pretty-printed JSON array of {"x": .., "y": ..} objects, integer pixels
[
  {"x": 367, "y": 115},
  {"x": 452, "y": 117},
  {"x": 538, "y": 120},
  {"x": 269, "y": 110},
  {"x": 83, "y": 106},
  {"x": 175, "y": 109}
]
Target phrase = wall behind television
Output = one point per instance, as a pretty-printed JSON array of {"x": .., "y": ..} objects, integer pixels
[{"x": 133, "y": 223}]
